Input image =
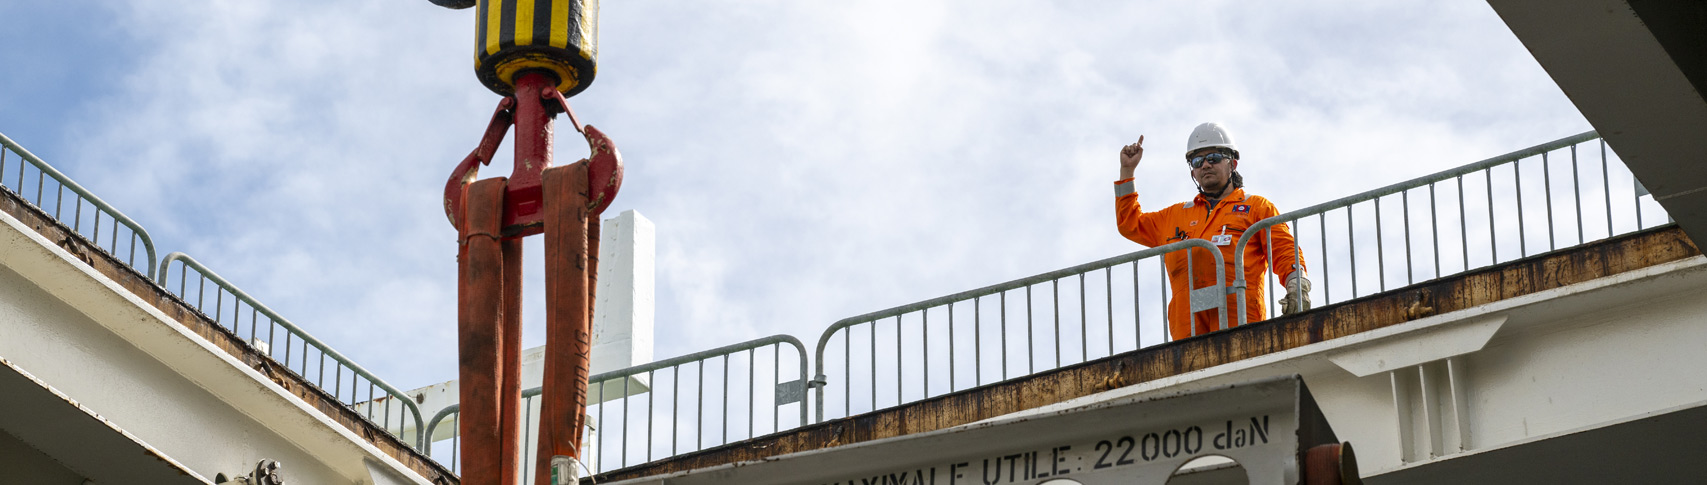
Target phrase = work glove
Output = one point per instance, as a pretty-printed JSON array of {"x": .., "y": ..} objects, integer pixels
[{"x": 1297, "y": 294}]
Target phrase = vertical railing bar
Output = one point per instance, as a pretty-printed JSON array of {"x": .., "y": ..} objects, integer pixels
[
  {"x": 625, "y": 397},
  {"x": 978, "y": 343},
  {"x": 873, "y": 326},
  {"x": 1434, "y": 226},
  {"x": 675, "y": 408},
  {"x": 337, "y": 373},
  {"x": 131, "y": 260},
  {"x": 776, "y": 377},
  {"x": 1162, "y": 270},
  {"x": 1351, "y": 246},
  {"x": 201, "y": 289},
  {"x": 752, "y": 391},
  {"x": 1380, "y": 250},
  {"x": 1084, "y": 323},
  {"x": 1030, "y": 339},
  {"x": 925, "y": 338},
  {"x": 272, "y": 335},
  {"x": 847, "y": 370},
  {"x": 725, "y": 399},
  {"x": 599, "y": 431},
  {"x": 355, "y": 379},
  {"x": 527, "y": 436},
  {"x": 1137, "y": 304},
  {"x": 951, "y": 346},
  {"x": 1190, "y": 284},
  {"x": 651, "y": 410},
  {"x": 1547, "y": 197},
  {"x": 41, "y": 182},
  {"x": 1463, "y": 226},
  {"x": 1410, "y": 265},
  {"x": 1322, "y": 230},
  {"x": 699, "y": 408},
  {"x": 1606, "y": 186},
  {"x": 219, "y": 307},
  {"x": 97, "y": 237},
  {"x": 1055, "y": 307},
  {"x": 1493, "y": 237},
  {"x": 1577, "y": 189},
  {"x": 900, "y": 358},
  {"x": 1637, "y": 197},
  {"x": 59, "y": 202},
  {"x": 1268, "y": 256},
  {"x": 77, "y": 220},
  {"x": 1002, "y": 326},
  {"x": 1108, "y": 277},
  {"x": 1517, "y": 181}
]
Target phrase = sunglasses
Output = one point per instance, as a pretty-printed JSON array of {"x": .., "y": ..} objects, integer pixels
[{"x": 1212, "y": 159}]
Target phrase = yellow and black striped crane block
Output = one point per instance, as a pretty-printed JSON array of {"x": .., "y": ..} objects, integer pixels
[{"x": 513, "y": 36}]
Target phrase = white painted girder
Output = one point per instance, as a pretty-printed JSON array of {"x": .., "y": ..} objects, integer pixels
[{"x": 1548, "y": 366}]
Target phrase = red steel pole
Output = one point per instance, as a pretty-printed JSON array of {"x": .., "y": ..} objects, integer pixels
[
  {"x": 480, "y": 309},
  {"x": 568, "y": 318}
]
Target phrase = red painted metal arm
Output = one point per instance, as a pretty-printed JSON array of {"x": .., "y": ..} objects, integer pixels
[{"x": 465, "y": 172}]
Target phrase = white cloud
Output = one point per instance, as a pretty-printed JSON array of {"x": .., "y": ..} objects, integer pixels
[{"x": 804, "y": 161}]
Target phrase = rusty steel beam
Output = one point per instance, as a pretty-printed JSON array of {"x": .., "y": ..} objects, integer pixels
[{"x": 1526, "y": 276}]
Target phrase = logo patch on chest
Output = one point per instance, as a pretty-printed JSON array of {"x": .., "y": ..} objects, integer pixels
[{"x": 1241, "y": 208}]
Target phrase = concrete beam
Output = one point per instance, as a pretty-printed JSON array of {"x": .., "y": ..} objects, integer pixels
[{"x": 1635, "y": 69}]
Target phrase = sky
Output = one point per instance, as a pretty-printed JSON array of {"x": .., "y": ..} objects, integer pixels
[{"x": 802, "y": 161}]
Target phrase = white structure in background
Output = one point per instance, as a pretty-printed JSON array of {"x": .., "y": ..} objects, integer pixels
[{"x": 623, "y": 317}]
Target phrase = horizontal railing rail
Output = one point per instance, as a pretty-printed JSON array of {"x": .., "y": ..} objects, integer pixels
[
  {"x": 82, "y": 197},
  {"x": 1212, "y": 296},
  {"x": 612, "y": 395},
  {"x": 263, "y": 337},
  {"x": 1500, "y": 204}
]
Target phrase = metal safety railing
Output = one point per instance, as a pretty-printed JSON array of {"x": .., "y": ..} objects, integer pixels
[
  {"x": 1506, "y": 195},
  {"x": 298, "y": 351},
  {"x": 18, "y": 180},
  {"x": 987, "y": 340},
  {"x": 630, "y": 401}
]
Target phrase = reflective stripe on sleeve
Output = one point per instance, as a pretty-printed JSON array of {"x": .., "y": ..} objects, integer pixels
[{"x": 1121, "y": 190}]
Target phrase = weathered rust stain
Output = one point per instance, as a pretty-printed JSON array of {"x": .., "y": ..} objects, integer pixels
[
  {"x": 224, "y": 338},
  {"x": 1530, "y": 275}
]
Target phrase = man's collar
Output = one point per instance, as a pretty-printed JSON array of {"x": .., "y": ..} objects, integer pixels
[{"x": 1235, "y": 195}]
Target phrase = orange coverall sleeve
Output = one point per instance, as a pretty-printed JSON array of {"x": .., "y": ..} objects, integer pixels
[
  {"x": 1135, "y": 224},
  {"x": 1284, "y": 250}
]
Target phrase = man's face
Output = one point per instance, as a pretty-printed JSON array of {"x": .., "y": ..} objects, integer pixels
[{"x": 1213, "y": 177}]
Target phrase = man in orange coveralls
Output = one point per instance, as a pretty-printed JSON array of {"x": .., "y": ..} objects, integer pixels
[{"x": 1220, "y": 213}]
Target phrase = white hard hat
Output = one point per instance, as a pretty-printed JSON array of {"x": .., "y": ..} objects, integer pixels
[{"x": 1210, "y": 134}]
